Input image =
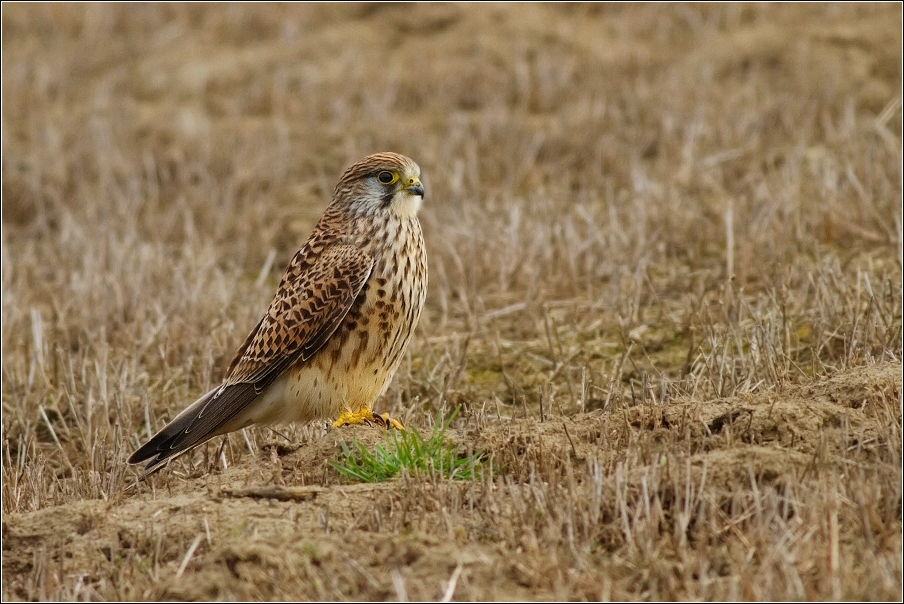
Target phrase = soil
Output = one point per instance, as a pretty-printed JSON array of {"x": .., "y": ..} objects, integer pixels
[{"x": 263, "y": 534}]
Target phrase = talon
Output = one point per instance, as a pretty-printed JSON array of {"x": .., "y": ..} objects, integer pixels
[
  {"x": 348, "y": 418},
  {"x": 366, "y": 416},
  {"x": 388, "y": 422}
]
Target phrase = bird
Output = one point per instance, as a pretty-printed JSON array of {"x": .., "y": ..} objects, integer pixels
[{"x": 335, "y": 332}]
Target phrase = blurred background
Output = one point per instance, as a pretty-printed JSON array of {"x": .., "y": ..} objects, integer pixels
[
  {"x": 634, "y": 176},
  {"x": 626, "y": 203}
]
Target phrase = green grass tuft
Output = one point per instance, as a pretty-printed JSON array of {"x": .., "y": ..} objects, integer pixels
[{"x": 408, "y": 450}]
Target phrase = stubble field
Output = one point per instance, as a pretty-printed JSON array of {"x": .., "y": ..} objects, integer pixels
[{"x": 665, "y": 297}]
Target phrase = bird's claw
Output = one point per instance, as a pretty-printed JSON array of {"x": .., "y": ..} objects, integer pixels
[
  {"x": 366, "y": 416},
  {"x": 384, "y": 421}
]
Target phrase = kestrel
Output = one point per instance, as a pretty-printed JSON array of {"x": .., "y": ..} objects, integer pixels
[{"x": 335, "y": 332}]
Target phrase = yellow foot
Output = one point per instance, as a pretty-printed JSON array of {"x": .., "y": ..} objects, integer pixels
[{"x": 366, "y": 416}]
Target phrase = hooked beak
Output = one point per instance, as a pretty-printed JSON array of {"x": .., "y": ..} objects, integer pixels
[{"x": 415, "y": 187}]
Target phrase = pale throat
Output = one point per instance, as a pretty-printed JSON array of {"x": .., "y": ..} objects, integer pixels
[{"x": 406, "y": 205}]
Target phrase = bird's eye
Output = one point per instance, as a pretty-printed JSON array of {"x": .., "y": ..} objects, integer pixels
[{"x": 387, "y": 178}]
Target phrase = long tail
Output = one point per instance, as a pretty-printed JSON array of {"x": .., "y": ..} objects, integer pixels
[{"x": 205, "y": 418}]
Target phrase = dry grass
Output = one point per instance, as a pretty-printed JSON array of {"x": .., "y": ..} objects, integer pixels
[{"x": 665, "y": 249}]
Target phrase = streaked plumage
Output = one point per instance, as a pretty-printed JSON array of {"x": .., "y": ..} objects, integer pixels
[{"x": 342, "y": 316}]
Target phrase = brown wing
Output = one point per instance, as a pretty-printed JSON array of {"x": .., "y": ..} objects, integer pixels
[
  {"x": 311, "y": 302},
  {"x": 313, "y": 298}
]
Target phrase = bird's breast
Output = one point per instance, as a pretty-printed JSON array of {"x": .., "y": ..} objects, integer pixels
[
  {"x": 360, "y": 359},
  {"x": 392, "y": 298}
]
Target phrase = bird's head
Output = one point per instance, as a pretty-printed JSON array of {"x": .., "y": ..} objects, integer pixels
[{"x": 383, "y": 182}]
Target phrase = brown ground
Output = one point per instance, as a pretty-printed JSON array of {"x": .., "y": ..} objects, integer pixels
[{"x": 665, "y": 255}]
